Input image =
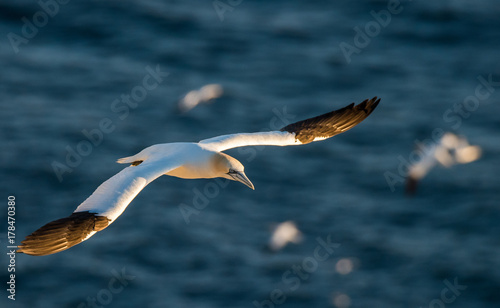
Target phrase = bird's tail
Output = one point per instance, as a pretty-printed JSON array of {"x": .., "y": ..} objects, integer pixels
[
  {"x": 126, "y": 160},
  {"x": 133, "y": 160}
]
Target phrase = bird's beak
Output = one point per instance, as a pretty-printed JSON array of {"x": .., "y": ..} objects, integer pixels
[{"x": 241, "y": 177}]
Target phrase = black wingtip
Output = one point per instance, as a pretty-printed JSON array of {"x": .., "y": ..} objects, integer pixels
[
  {"x": 62, "y": 234},
  {"x": 332, "y": 123},
  {"x": 411, "y": 186},
  {"x": 368, "y": 105}
]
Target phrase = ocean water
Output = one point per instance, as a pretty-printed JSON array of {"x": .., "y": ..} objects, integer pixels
[{"x": 66, "y": 69}]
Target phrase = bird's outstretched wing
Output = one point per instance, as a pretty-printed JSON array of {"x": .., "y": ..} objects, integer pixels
[
  {"x": 302, "y": 132},
  {"x": 107, "y": 202}
]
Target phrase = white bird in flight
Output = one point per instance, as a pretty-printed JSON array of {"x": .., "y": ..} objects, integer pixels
[
  {"x": 205, "y": 94},
  {"x": 184, "y": 160},
  {"x": 450, "y": 150},
  {"x": 284, "y": 233}
]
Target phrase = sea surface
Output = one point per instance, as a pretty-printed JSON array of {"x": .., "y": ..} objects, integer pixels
[{"x": 67, "y": 71}]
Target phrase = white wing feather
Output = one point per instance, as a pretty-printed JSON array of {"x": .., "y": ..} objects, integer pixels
[
  {"x": 112, "y": 197},
  {"x": 225, "y": 142},
  {"x": 107, "y": 202}
]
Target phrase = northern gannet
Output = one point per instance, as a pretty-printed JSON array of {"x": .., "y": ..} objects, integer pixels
[
  {"x": 284, "y": 233},
  {"x": 184, "y": 160},
  {"x": 448, "y": 151},
  {"x": 205, "y": 94}
]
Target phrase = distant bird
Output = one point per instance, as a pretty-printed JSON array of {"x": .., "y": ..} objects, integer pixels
[
  {"x": 450, "y": 150},
  {"x": 284, "y": 233},
  {"x": 194, "y": 98},
  {"x": 184, "y": 160}
]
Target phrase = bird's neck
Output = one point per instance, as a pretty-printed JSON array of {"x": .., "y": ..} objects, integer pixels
[{"x": 206, "y": 169}]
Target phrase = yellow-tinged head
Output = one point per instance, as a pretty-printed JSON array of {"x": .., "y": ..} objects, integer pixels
[{"x": 230, "y": 168}]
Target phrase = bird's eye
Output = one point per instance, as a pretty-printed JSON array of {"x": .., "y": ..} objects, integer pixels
[{"x": 232, "y": 171}]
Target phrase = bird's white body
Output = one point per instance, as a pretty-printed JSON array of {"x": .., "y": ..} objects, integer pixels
[{"x": 195, "y": 161}]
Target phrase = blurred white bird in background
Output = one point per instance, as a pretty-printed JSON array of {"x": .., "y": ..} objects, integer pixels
[
  {"x": 283, "y": 234},
  {"x": 450, "y": 150},
  {"x": 205, "y": 94}
]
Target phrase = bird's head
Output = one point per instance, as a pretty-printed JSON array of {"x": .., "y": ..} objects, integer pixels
[{"x": 230, "y": 168}]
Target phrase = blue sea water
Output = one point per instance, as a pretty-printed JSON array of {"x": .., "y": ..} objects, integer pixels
[{"x": 278, "y": 62}]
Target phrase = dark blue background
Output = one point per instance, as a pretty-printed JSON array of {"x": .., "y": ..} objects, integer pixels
[{"x": 268, "y": 55}]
